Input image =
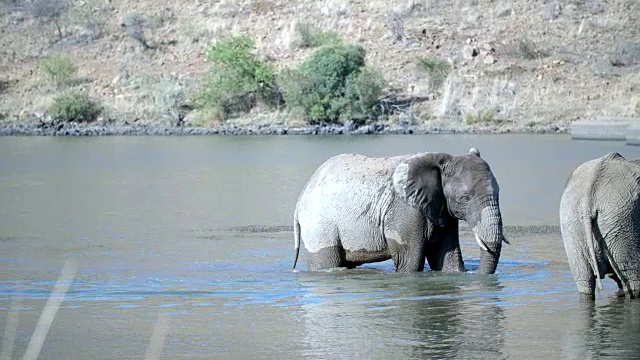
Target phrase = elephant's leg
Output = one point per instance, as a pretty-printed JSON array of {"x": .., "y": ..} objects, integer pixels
[
  {"x": 404, "y": 233},
  {"x": 406, "y": 248},
  {"x": 322, "y": 243},
  {"x": 622, "y": 249},
  {"x": 406, "y": 257},
  {"x": 612, "y": 275},
  {"x": 575, "y": 244},
  {"x": 443, "y": 249},
  {"x": 625, "y": 268},
  {"x": 326, "y": 258}
]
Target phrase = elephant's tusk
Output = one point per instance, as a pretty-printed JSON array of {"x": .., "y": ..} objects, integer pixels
[
  {"x": 482, "y": 245},
  {"x": 505, "y": 240}
]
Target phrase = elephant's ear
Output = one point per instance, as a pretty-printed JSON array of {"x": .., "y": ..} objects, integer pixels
[
  {"x": 418, "y": 181},
  {"x": 474, "y": 151}
]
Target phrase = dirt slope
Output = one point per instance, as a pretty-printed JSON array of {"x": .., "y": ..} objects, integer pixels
[{"x": 521, "y": 61}]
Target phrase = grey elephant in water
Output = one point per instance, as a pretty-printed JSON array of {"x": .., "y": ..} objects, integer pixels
[
  {"x": 356, "y": 209},
  {"x": 600, "y": 223}
]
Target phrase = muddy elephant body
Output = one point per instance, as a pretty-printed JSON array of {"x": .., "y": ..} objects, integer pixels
[
  {"x": 600, "y": 223},
  {"x": 356, "y": 209}
]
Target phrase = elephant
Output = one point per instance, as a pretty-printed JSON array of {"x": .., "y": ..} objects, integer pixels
[
  {"x": 357, "y": 209},
  {"x": 600, "y": 224}
]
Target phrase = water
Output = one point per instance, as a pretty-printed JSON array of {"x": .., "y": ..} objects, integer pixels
[{"x": 192, "y": 235}]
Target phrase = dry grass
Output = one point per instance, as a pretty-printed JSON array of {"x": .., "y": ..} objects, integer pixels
[{"x": 554, "y": 77}]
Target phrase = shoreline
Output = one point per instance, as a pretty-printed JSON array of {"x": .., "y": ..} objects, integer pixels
[
  {"x": 511, "y": 230},
  {"x": 39, "y": 128}
]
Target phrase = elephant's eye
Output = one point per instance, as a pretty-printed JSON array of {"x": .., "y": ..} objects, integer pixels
[{"x": 463, "y": 198}]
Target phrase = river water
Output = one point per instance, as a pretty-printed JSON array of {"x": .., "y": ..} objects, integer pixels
[{"x": 183, "y": 246}]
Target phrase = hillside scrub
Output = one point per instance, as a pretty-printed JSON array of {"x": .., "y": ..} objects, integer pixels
[
  {"x": 333, "y": 85},
  {"x": 74, "y": 106},
  {"x": 309, "y": 36},
  {"x": 236, "y": 79},
  {"x": 507, "y": 64},
  {"x": 58, "y": 69}
]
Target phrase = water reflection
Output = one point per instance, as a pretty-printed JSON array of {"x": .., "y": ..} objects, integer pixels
[
  {"x": 611, "y": 329},
  {"x": 353, "y": 314},
  {"x": 130, "y": 210}
]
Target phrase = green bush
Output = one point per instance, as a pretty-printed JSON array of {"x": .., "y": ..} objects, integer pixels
[
  {"x": 362, "y": 92},
  {"x": 168, "y": 97},
  {"x": 332, "y": 85},
  {"x": 308, "y": 36},
  {"x": 74, "y": 106},
  {"x": 437, "y": 69},
  {"x": 58, "y": 69},
  {"x": 235, "y": 74},
  {"x": 486, "y": 116}
]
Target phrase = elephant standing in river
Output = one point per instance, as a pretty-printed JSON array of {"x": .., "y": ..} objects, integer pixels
[
  {"x": 356, "y": 209},
  {"x": 600, "y": 223}
]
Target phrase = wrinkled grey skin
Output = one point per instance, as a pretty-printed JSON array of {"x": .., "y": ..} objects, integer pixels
[
  {"x": 357, "y": 210},
  {"x": 600, "y": 223}
]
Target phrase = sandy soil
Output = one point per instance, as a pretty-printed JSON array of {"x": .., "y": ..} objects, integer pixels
[{"x": 514, "y": 66}]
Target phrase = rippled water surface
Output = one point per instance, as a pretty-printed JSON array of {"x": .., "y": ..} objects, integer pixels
[{"x": 183, "y": 246}]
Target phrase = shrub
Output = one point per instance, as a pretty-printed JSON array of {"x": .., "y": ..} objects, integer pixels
[
  {"x": 308, "y": 36},
  {"x": 627, "y": 53},
  {"x": 529, "y": 50},
  {"x": 58, "y": 69},
  {"x": 396, "y": 19},
  {"x": 483, "y": 117},
  {"x": 74, "y": 106},
  {"x": 168, "y": 97},
  {"x": 362, "y": 92},
  {"x": 48, "y": 11},
  {"x": 10, "y": 5},
  {"x": 479, "y": 117},
  {"x": 93, "y": 16},
  {"x": 437, "y": 70},
  {"x": 332, "y": 84},
  {"x": 134, "y": 26},
  {"x": 235, "y": 79}
]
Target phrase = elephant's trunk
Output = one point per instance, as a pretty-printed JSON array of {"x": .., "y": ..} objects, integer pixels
[
  {"x": 488, "y": 234},
  {"x": 488, "y": 262}
]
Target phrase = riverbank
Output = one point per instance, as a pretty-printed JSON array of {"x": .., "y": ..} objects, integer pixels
[
  {"x": 40, "y": 128},
  {"x": 525, "y": 60}
]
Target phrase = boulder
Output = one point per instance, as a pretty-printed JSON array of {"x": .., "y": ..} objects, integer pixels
[
  {"x": 603, "y": 128},
  {"x": 633, "y": 135}
]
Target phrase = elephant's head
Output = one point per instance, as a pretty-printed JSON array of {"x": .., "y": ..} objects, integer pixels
[{"x": 463, "y": 186}]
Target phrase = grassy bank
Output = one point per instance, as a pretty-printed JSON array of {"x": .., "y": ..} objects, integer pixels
[{"x": 429, "y": 66}]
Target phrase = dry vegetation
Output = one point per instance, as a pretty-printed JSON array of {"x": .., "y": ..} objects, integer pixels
[{"x": 475, "y": 61}]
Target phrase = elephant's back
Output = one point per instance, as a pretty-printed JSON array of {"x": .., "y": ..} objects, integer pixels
[
  {"x": 583, "y": 177},
  {"x": 348, "y": 178},
  {"x": 349, "y": 169},
  {"x": 618, "y": 180},
  {"x": 606, "y": 178},
  {"x": 357, "y": 165}
]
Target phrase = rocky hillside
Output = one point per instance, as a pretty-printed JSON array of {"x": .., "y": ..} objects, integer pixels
[{"x": 517, "y": 62}]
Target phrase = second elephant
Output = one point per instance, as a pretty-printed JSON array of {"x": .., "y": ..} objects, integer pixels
[
  {"x": 356, "y": 209},
  {"x": 600, "y": 223}
]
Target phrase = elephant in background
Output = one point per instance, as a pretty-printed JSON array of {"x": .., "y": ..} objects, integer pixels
[
  {"x": 356, "y": 209},
  {"x": 600, "y": 223}
]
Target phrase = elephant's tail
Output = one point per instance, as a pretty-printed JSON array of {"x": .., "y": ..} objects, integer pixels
[
  {"x": 296, "y": 238},
  {"x": 591, "y": 239}
]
